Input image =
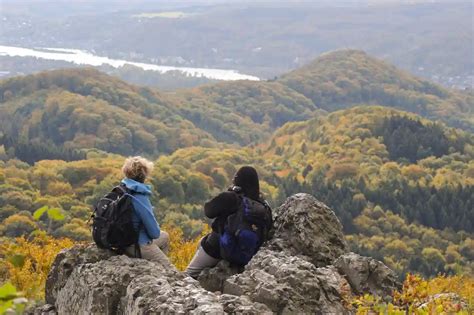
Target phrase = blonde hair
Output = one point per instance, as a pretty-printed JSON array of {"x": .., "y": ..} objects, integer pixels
[{"x": 137, "y": 168}]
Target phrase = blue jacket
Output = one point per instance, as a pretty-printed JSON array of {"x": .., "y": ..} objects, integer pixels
[{"x": 143, "y": 217}]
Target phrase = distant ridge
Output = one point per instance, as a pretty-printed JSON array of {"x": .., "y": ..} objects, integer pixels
[
  {"x": 84, "y": 108},
  {"x": 344, "y": 78}
]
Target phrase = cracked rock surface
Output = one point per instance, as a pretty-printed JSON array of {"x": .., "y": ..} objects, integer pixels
[{"x": 304, "y": 268}]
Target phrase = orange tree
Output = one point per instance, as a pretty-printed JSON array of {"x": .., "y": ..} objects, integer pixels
[{"x": 182, "y": 250}]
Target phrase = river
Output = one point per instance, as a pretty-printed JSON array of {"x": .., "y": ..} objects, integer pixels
[{"x": 82, "y": 57}]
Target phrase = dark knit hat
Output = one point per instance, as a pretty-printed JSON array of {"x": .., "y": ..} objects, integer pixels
[{"x": 247, "y": 179}]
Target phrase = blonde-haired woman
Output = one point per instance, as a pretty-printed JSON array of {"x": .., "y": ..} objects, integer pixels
[{"x": 153, "y": 242}]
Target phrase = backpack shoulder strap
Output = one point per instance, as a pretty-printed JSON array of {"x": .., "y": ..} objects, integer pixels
[
  {"x": 121, "y": 189},
  {"x": 240, "y": 200}
]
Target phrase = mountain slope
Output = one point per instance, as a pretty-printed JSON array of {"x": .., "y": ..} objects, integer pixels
[
  {"x": 269, "y": 103},
  {"x": 411, "y": 166},
  {"x": 84, "y": 108},
  {"x": 345, "y": 78},
  {"x": 88, "y": 109}
]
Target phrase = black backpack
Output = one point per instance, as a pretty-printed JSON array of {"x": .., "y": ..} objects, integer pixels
[
  {"x": 112, "y": 226},
  {"x": 245, "y": 231}
]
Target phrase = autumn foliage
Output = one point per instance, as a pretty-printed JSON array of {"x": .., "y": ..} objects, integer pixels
[
  {"x": 440, "y": 295},
  {"x": 182, "y": 250},
  {"x": 26, "y": 263}
]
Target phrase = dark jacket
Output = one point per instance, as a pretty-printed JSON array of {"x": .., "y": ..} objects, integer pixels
[
  {"x": 245, "y": 182},
  {"x": 218, "y": 209}
]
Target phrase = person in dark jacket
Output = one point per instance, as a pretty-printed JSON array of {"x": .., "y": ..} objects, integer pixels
[
  {"x": 153, "y": 242},
  {"x": 219, "y": 208}
]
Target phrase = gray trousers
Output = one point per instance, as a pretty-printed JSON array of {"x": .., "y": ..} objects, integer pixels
[
  {"x": 200, "y": 261},
  {"x": 154, "y": 251}
]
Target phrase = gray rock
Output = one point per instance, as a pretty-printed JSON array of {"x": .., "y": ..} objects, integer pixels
[
  {"x": 212, "y": 279},
  {"x": 305, "y": 226},
  {"x": 123, "y": 285},
  {"x": 367, "y": 275},
  {"x": 64, "y": 264},
  {"x": 289, "y": 284},
  {"x": 242, "y": 305},
  {"x": 45, "y": 309},
  {"x": 297, "y": 271}
]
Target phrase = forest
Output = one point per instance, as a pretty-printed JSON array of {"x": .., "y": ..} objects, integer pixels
[{"x": 400, "y": 179}]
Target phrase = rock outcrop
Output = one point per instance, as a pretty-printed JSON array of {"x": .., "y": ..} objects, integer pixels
[
  {"x": 366, "y": 275},
  {"x": 305, "y": 268},
  {"x": 66, "y": 262},
  {"x": 305, "y": 226},
  {"x": 289, "y": 284},
  {"x": 86, "y": 280}
]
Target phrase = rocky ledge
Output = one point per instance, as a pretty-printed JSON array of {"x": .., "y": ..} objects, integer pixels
[{"x": 304, "y": 268}]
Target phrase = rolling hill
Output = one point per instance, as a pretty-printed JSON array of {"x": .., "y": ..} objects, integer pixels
[
  {"x": 337, "y": 80},
  {"x": 346, "y": 78},
  {"x": 83, "y": 108},
  {"x": 87, "y": 109},
  {"x": 265, "y": 106}
]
